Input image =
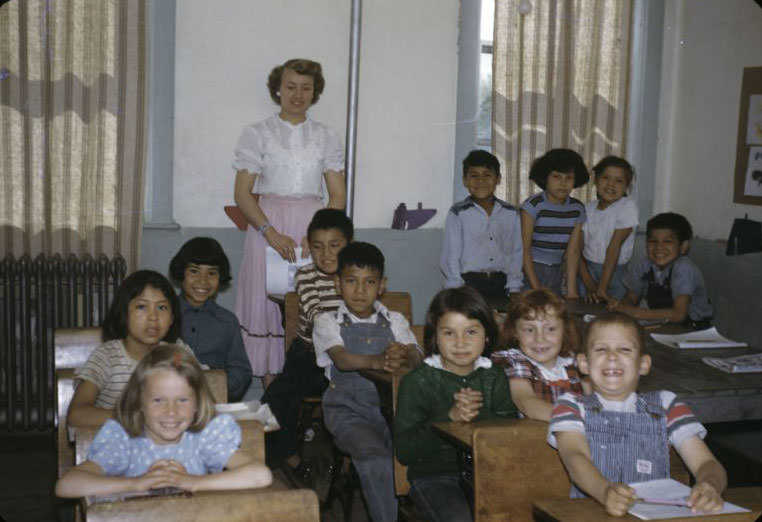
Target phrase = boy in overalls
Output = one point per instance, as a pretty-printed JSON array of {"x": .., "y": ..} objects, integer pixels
[
  {"x": 668, "y": 280},
  {"x": 363, "y": 334},
  {"x": 616, "y": 436}
]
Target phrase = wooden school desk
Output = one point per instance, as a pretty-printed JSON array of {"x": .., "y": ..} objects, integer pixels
[
  {"x": 713, "y": 395},
  {"x": 588, "y": 510}
]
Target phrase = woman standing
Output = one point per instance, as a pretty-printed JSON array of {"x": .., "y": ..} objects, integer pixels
[{"x": 282, "y": 161}]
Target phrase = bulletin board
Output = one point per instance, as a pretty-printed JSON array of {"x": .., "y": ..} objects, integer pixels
[{"x": 748, "y": 175}]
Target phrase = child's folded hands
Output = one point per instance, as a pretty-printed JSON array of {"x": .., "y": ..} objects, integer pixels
[
  {"x": 467, "y": 405},
  {"x": 395, "y": 357}
]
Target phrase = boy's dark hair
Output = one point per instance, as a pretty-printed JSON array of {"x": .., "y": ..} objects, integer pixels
[
  {"x": 329, "y": 218},
  {"x": 362, "y": 255},
  {"x": 621, "y": 319},
  {"x": 200, "y": 251},
  {"x": 463, "y": 300},
  {"x": 671, "y": 221},
  {"x": 559, "y": 160},
  {"x": 615, "y": 161},
  {"x": 481, "y": 158},
  {"x": 115, "y": 323}
]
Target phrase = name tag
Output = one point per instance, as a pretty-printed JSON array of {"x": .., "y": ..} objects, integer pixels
[{"x": 643, "y": 466}]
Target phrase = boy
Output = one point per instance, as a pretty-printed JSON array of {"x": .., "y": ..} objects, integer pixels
[
  {"x": 212, "y": 332},
  {"x": 329, "y": 231},
  {"x": 363, "y": 334},
  {"x": 670, "y": 282},
  {"x": 482, "y": 243},
  {"x": 616, "y": 436}
]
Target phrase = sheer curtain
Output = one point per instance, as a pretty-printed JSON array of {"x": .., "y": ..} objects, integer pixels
[
  {"x": 72, "y": 126},
  {"x": 560, "y": 74}
]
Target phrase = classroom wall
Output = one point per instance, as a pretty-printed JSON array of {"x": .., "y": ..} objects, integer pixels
[
  {"x": 706, "y": 46},
  {"x": 405, "y": 138}
]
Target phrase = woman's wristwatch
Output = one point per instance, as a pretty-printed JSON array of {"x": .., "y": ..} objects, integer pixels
[{"x": 263, "y": 227}]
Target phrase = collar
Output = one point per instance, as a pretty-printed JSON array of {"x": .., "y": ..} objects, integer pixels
[
  {"x": 378, "y": 308},
  {"x": 435, "y": 361},
  {"x": 627, "y": 405},
  {"x": 185, "y": 306},
  {"x": 545, "y": 197},
  {"x": 289, "y": 124},
  {"x": 558, "y": 371}
]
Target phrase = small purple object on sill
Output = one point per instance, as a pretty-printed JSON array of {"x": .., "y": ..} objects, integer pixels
[{"x": 405, "y": 219}]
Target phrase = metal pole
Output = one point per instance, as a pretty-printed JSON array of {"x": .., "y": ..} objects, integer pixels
[{"x": 354, "y": 74}]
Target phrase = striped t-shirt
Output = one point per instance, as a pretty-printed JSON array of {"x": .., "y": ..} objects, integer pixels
[
  {"x": 569, "y": 415},
  {"x": 553, "y": 225},
  {"x": 109, "y": 367},
  {"x": 317, "y": 293}
]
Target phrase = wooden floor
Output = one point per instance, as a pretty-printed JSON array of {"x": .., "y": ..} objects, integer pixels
[{"x": 28, "y": 471}]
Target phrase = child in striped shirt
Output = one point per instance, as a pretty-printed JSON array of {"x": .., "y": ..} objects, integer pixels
[{"x": 616, "y": 436}]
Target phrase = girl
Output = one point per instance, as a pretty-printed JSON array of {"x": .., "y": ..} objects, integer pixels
[
  {"x": 288, "y": 156},
  {"x": 608, "y": 232},
  {"x": 143, "y": 314},
  {"x": 551, "y": 222},
  {"x": 455, "y": 383},
  {"x": 537, "y": 372},
  {"x": 165, "y": 435}
]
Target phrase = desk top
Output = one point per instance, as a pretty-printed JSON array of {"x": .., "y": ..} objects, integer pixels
[
  {"x": 588, "y": 510},
  {"x": 462, "y": 433},
  {"x": 713, "y": 395}
]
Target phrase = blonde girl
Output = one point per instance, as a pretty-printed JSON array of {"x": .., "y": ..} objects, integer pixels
[
  {"x": 609, "y": 232},
  {"x": 144, "y": 313},
  {"x": 543, "y": 367},
  {"x": 165, "y": 435}
]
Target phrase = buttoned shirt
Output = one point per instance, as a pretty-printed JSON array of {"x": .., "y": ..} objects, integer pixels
[{"x": 477, "y": 242}]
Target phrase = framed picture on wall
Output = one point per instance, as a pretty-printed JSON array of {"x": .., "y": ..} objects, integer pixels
[{"x": 748, "y": 173}]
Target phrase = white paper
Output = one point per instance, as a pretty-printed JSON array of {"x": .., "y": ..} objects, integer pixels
[
  {"x": 742, "y": 364},
  {"x": 250, "y": 410},
  {"x": 709, "y": 338},
  {"x": 754, "y": 121},
  {"x": 280, "y": 273},
  {"x": 669, "y": 489}
]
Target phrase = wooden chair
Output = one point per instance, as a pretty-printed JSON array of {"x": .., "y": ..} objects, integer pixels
[{"x": 259, "y": 505}]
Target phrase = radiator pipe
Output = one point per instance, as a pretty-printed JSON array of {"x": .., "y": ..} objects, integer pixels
[{"x": 352, "y": 95}]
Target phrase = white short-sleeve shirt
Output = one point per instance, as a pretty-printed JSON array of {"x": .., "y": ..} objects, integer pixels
[{"x": 601, "y": 224}]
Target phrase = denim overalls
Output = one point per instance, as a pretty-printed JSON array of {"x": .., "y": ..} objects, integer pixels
[
  {"x": 659, "y": 295},
  {"x": 627, "y": 447},
  {"x": 352, "y": 413}
]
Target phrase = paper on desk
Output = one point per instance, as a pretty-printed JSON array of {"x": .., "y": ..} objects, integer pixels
[
  {"x": 709, "y": 338},
  {"x": 668, "y": 489},
  {"x": 742, "y": 364},
  {"x": 250, "y": 410},
  {"x": 280, "y": 273}
]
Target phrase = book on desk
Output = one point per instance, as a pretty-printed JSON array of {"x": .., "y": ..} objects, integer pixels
[
  {"x": 665, "y": 498},
  {"x": 709, "y": 338}
]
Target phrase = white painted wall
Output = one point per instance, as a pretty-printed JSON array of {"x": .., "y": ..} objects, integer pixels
[
  {"x": 707, "y": 44},
  {"x": 407, "y": 94}
]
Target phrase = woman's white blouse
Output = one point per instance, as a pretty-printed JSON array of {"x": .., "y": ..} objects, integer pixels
[{"x": 289, "y": 159}]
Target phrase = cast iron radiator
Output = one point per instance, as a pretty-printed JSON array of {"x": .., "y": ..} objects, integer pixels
[{"x": 36, "y": 297}]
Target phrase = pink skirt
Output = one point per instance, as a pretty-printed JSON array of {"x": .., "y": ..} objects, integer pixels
[{"x": 260, "y": 318}]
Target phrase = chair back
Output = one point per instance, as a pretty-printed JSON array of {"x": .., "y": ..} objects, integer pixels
[
  {"x": 258, "y": 505},
  {"x": 72, "y": 347}
]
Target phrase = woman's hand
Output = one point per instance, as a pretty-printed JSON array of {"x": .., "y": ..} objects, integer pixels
[{"x": 282, "y": 244}]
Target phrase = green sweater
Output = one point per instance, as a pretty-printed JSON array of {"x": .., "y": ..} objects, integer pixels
[{"x": 426, "y": 396}]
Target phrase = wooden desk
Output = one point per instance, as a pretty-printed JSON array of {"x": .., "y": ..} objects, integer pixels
[
  {"x": 507, "y": 464},
  {"x": 588, "y": 510},
  {"x": 713, "y": 395}
]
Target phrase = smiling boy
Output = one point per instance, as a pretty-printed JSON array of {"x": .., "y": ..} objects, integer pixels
[
  {"x": 616, "y": 436},
  {"x": 363, "y": 334},
  {"x": 668, "y": 280},
  {"x": 329, "y": 231}
]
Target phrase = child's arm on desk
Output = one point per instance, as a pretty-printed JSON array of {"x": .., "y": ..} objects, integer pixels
[
  {"x": 616, "y": 497},
  {"x": 710, "y": 476},
  {"x": 677, "y": 314},
  {"x": 347, "y": 361},
  {"x": 527, "y": 401}
]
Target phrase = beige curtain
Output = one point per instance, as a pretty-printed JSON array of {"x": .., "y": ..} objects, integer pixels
[
  {"x": 560, "y": 76},
  {"x": 72, "y": 126}
]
